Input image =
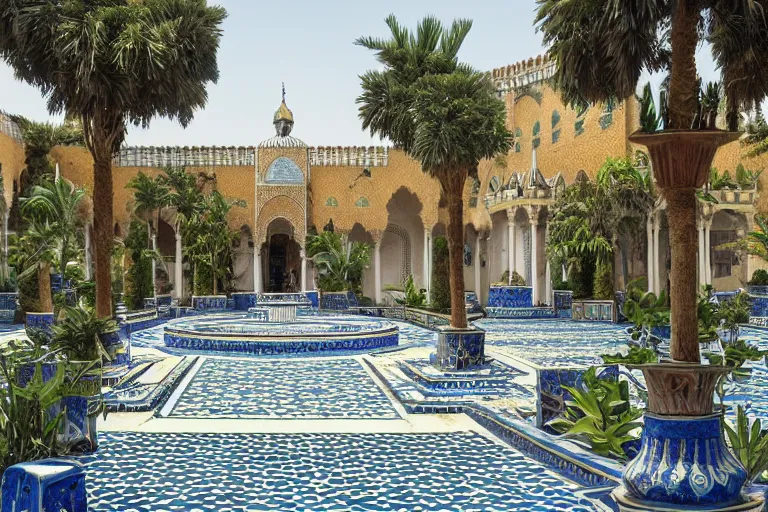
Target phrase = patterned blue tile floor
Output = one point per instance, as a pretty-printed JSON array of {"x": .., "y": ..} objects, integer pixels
[
  {"x": 551, "y": 343},
  {"x": 244, "y": 472},
  {"x": 284, "y": 388}
]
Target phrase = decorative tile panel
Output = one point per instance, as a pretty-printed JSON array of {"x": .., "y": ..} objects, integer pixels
[
  {"x": 459, "y": 349},
  {"x": 209, "y": 302},
  {"x": 521, "y": 313},
  {"x": 563, "y": 303},
  {"x": 593, "y": 310},
  {"x": 551, "y": 396},
  {"x": 284, "y": 170},
  {"x": 45, "y": 486},
  {"x": 244, "y": 300},
  {"x": 510, "y": 297}
]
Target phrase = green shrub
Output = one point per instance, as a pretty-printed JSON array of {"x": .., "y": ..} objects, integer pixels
[
  {"x": 440, "y": 294},
  {"x": 203, "y": 280},
  {"x": 517, "y": 279},
  {"x": 138, "y": 277},
  {"x": 414, "y": 297},
  {"x": 603, "y": 287},
  {"x": 759, "y": 277}
]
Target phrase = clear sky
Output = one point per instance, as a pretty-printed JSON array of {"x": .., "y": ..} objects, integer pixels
[{"x": 308, "y": 45}]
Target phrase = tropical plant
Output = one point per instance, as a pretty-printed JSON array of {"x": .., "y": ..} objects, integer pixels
[
  {"x": 645, "y": 310},
  {"x": 756, "y": 138},
  {"x": 590, "y": 220},
  {"x": 109, "y": 63},
  {"x": 441, "y": 112},
  {"x": 339, "y": 263},
  {"x": 747, "y": 178},
  {"x": 516, "y": 279},
  {"x": 600, "y": 411},
  {"x": 34, "y": 254},
  {"x": 734, "y": 312},
  {"x": 414, "y": 296},
  {"x": 139, "y": 273},
  {"x": 759, "y": 277},
  {"x": 440, "y": 292},
  {"x": 749, "y": 442},
  {"x": 150, "y": 195},
  {"x": 212, "y": 240},
  {"x": 77, "y": 335},
  {"x": 718, "y": 181},
  {"x": 649, "y": 120},
  {"x": 600, "y": 50},
  {"x": 636, "y": 355},
  {"x": 61, "y": 205}
]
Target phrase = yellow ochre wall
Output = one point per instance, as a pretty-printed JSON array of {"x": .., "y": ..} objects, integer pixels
[{"x": 12, "y": 160}]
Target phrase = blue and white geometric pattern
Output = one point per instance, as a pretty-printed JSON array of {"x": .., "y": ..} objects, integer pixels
[
  {"x": 284, "y": 170},
  {"x": 328, "y": 388},
  {"x": 318, "y": 472},
  {"x": 510, "y": 297}
]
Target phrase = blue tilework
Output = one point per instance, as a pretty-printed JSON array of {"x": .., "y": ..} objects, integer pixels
[
  {"x": 335, "y": 301},
  {"x": 328, "y": 388},
  {"x": 551, "y": 343},
  {"x": 284, "y": 170},
  {"x": 757, "y": 290},
  {"x": 472, "y": 303},
  {"x": 697, "y": 467},
  {"x": 459, "y": 350},
  {"x": 314, "y": 298},
  {"x": 510, "y": 297},
  {"x": 228, "y": 472},
  {"x": 563, "y": 303},
  {"x": 209, "y": 303},
  {"x": 599, "y": 311},
  {"x": 424, "y": 318},
  {"x": 8, "y": 300},
  {"x": 663, "y": 332},
  {"x": 243, "y": 301},
  {"x": 521, "y": 313},
  {"x": 61, "y": 486},
  {"x": 759, "y": 306}
]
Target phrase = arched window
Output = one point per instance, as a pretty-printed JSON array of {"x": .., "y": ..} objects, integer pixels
[
  {"x": 536, "y": 139},
  {"x": 362, "y": 203},
  {"x": 331, "y": 201},
  {"x": 518, "y": 137}
]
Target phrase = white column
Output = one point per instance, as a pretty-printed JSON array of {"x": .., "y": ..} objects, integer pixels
[
  {"x": 702, "y": 260},
  {"x": 178, "y": 275},
  {"x": 87, "y": 251},
  {"x": 534, "y": 261},
  {"x": 256, "y": 270},
  {"x": 154, "y": 265},
  {"x": 377, "y": 271},
  {"x": 430, "y": 256},
  {"x": 656, "y": 265},
  {"x": 707, "y": 249},
  {"x": 425, "y": 262},
  {"x": 649, "y": 268},
  {"x": 511, "y": 244},
  {"x": 303, "y": 271},
  {"x": 477, "y": 266}
]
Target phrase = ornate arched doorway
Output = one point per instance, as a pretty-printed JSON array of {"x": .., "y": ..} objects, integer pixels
[{"x": 283, "y": 258}]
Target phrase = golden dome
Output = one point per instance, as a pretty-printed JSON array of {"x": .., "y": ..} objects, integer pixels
[{"x": 283, "y": 113}]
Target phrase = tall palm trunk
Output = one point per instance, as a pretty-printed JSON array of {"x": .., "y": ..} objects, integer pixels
[
  {"x": 44, "y": 287},
  {"x": 452, "y": 183},
  {"x": 102, "y": 228},
  {"x": 681, "y": 203}
]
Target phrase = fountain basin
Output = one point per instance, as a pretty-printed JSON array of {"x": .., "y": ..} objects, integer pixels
[{"x": 243, "y": 334}]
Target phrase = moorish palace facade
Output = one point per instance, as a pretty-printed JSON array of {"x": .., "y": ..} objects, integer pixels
[{"x": 380, "y": 196}]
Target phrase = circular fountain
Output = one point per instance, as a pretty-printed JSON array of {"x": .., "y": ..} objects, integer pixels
[{"x": 279, "y": 324}]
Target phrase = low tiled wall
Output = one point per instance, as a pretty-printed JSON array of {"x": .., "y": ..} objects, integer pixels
[
  {"x": 523, "y": 313},
  {"x": 244, "y": 300},
  {"x": 426, "y": 318},
  {"x": 594, "y": 310},
  {"x": 550, "y": 395},
  {"x": 510, "y": 297},
  {"x": 563, "y": 303},
  {"x": 209, "y": 302}
]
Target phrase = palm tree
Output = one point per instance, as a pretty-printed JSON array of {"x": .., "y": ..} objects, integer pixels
[
  {"x": 339, "y": 263},
  {"x": 600, "y": 50},
  {"x": 109, "y": 63},
  {"x": 58, "y": 205},
  {"x": 439, "y": 111},
  {"x": 35, "y": 253}
]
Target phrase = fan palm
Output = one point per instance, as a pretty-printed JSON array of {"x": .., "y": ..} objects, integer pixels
[
  {"x": 108, "y": 63},
  {"x": 438, "y": 110},
  {"x": 339, "y": 263},
  {"x": 601, "y": 48},
  {"x": 36, "y": 252},
  {"x": 60, "y": 206}
]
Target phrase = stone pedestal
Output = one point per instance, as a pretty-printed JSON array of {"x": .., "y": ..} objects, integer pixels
[
  {"x": 43, "y": 486},
  {"x": 628, "y": 503},
  {"x": 459, "y": 349}
]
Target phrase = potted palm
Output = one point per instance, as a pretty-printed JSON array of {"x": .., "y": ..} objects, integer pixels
[
  {"x": 339, "y": 265},
  {"x": 600, "y": 50},
  {"x": 447, "y": 116}
]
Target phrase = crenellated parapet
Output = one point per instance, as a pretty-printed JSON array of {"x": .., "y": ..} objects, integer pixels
[
  {"x": 524, "y": 73},
  {"x": 177, "y": 156},
  {"x": 372, "y": 156}
]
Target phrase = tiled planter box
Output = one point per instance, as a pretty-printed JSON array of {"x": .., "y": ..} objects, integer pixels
[
  {"x": 336, "y": 301},
  {"x": 510, "y": 297},
  {"x": 594, "y": 310},
  {"x": 563, "y": 303},
  {"x": 244, "y": 300}
]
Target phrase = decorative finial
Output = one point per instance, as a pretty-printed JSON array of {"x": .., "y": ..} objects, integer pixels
[{"x": 283, "y": 92}]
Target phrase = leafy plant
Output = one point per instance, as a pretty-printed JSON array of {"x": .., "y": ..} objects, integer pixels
[
  {"x": 722, "y": 181},
  {"x": 734, "y": 312},
  {"x": 600, "y": 411},
  {"x": 637, "y": 355},
  {"x": 645, "y": 309},
  {"x": 516, "y": 279},
  {"x": 414, "y": 297},
  {"x": 339, "y": 263},
  {"x": 77, "y": 335},
  {"x": 749, "y": 443},
  {"x": 603, "y": 288},
  {"x": 747, "y": 179},
  {"x": 759, "y": 277},
  {"x": 649, "y": 120},
  {"x": 755, "y": 243}
]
